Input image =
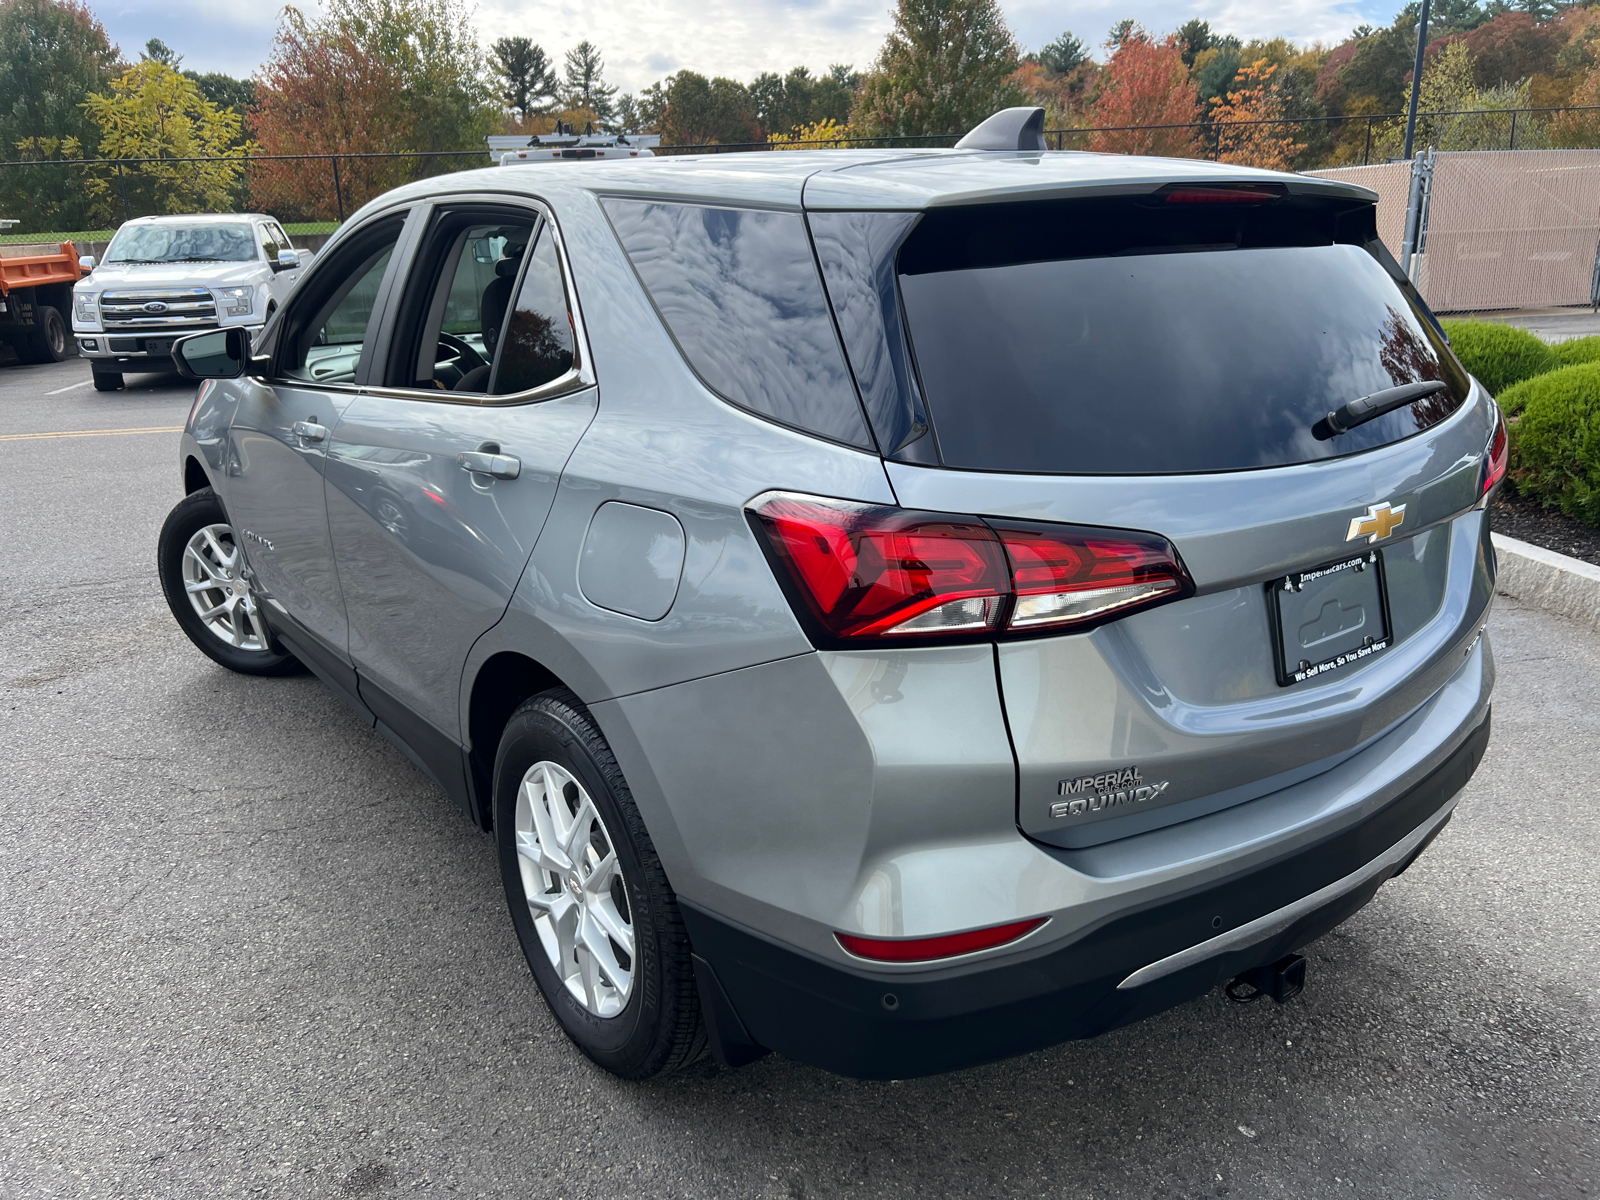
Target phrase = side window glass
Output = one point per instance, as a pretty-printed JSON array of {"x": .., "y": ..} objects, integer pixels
[
  {"x": 279, "y": 236},
  {"x": 537, "y": 346},
  {"x": 466, "y": 314},
  {"x": 328, "y": 326},
  {"x": 269, "y": 244},
  {"x": 739, "y": 290}
]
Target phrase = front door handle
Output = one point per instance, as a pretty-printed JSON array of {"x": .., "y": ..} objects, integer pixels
[
  {"x": 501, "y": 466},
  {"x": 310, "y": 430}
]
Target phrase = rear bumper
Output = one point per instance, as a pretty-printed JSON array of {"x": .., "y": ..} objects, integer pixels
[{"x": 759, "y": 994}]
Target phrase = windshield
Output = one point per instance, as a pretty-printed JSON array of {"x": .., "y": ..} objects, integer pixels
[
  {"x": 232, "y": 242},
  {"x": 1210, "y": 354}
]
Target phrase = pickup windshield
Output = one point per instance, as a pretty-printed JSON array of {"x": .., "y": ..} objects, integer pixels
[{"x": 231, "y": 242}]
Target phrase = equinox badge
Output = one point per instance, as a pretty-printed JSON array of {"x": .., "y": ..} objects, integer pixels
[{"x": 1379, "y": 523}]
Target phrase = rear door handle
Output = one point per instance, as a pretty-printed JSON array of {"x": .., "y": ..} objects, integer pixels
[
  {"x": 501, "y": 466},
  {"x": 310, "y": 431}
]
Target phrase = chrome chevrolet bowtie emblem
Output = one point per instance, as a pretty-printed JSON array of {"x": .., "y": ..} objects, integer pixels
[{"x": 1379, "y": 523}]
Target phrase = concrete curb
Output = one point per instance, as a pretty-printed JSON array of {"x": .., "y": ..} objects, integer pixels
[{"x": 1544, "y": 579}]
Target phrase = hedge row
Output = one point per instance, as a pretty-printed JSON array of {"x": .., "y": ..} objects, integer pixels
[{"x": 1551, "y": 398}]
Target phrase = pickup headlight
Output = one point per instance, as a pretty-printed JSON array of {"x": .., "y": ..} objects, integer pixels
[
  {"x": 83, "y": 307},
  {"x": 235, "y": 301}
]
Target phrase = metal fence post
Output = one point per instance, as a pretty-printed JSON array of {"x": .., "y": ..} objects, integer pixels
[
  {"x": 1413, "y": 212},
  {"x": 1594, "y": 282},
  {"x": 1366, "y": 155},
  {"x": 338, "y": 192},
  {"x": 1512, "y": 145},
  {"x": 122, "y": 182}
]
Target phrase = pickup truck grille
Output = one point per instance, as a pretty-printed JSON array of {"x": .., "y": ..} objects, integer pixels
[{"x": 164, "y": 309}]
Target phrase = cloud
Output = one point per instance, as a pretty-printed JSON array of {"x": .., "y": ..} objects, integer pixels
[{"x": 643, "y": 40}]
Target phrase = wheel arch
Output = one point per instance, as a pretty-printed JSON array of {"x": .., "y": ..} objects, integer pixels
[
  {"x": 501, "y": 685},
  {"x": 194, "y": 476}
]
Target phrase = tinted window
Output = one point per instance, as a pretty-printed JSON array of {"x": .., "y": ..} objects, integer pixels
[
  {"x": 328, "y": 324},
  {"x": 740, "y": 293},
  {"x": 538, "y": 341},
  {"x": 857, "y": 254},
  {"x": 1163, "y": 356}
]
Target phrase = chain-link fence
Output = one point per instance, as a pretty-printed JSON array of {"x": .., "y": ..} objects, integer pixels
[
  {"x": 1485, "y": 230},
  {"x": 1298, "y": 143},
  {"x": 84, "y": 200}
]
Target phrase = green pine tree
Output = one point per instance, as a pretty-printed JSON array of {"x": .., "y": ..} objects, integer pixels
[{"x": 947, "y": 64}]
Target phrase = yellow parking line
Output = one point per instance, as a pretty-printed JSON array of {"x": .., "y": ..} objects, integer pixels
[{"x": 22, "y": 437}]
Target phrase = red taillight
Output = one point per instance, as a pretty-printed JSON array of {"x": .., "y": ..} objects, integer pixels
[
  {"x": 865, "y": 572},
  {"x": 1494, "y": 463},
  {"x": 1244, "y": 193},
  {"x": 1069, "y": 577},
  {"x": 904, "y": 950}
]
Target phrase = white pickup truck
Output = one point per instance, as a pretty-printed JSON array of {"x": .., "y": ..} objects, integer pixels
[{"x": 163, "y": 277}]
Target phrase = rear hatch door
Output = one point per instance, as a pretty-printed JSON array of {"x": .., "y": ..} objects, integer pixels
[{"x": 1167, "y": 363}]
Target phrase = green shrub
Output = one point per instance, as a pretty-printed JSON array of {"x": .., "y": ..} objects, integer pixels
[
  {"x": 1555, "y": 444},
  {"x": 1499, "y": 355},
  {"x": 1578, "y": 350}
]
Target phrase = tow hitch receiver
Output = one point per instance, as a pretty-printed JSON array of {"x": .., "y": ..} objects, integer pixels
[{"x": 1282, "y": 980}]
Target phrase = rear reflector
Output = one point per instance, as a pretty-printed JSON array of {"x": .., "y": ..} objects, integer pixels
[
  {"x": 949, "y": 945},
  {"x": 1494, "y": 463},
  {"x": 859, "y": 573}
]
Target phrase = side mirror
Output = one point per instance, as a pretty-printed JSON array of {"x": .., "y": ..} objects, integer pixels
[
  {"x": 86, "y": 262},
  {"x": 288, "y": 260},
  {"x": 215, "y": 354}
]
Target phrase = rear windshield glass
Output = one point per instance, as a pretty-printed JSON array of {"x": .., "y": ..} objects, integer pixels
[
  {"x": 740, "y": 292},
  {"x": 1110, "y": 338}
]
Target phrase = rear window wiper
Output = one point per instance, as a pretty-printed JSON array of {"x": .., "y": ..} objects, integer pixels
[{"x": 1369, "y": 408}]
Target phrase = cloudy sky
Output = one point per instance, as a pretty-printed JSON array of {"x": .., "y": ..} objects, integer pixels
[{"x": 642, "y": 40}]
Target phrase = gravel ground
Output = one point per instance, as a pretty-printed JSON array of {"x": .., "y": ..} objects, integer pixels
[{"x": 249, "y": 952}]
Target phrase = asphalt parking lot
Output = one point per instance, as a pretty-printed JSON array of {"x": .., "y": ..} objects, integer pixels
[{"x": 248, "y": 950}]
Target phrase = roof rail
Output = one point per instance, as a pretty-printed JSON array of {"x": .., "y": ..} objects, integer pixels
[{"x": 1008, "y": 129}]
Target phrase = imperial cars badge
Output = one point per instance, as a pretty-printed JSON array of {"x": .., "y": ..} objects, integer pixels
[
  {"x": 1109, "y": 789},
  {"x": 1379, "y": 523}
]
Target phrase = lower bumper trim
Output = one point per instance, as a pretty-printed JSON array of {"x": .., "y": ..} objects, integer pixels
[
  {"x": 872, "y": 1025},
  {"x": 1273, "y": 923}
]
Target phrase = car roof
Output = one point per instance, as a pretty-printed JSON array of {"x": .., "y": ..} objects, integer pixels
[{"x": 855, "y": 180}]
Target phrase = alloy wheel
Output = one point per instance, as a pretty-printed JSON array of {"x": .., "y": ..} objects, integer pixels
[
  {"x": 575, "y": 889},
  {"x": 214, "y": 580}
]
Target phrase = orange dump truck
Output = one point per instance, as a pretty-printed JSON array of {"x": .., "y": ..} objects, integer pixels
[{"x": 36, "y": 301}]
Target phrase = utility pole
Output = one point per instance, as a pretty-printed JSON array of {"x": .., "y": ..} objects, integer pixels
[{"x": 1416, "y": 78}]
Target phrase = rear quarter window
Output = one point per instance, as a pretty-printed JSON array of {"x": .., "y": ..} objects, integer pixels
[{"x": 739, "y": 291}]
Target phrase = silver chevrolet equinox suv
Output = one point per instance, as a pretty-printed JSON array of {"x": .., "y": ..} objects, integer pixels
[{"x": 896, "y": 609}]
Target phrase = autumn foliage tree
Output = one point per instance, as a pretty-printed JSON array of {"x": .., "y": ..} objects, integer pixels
[
  {"x": 156, "y": 115},
  {"x": 367, "y": 77},
  {"x": 1146, "y": 84},
  {"x": 1242, "y": 118}
]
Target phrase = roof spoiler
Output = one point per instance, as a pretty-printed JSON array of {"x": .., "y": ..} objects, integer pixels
[{"x": 1008, "y": 129}]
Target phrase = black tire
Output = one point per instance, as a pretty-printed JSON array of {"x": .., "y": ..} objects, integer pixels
[
  {"x": 192, "y": 514},
  {"x": 48, "y": 341},
  {"x": 107, "y": 381},
  {"x": 658, "y": 1028}
]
